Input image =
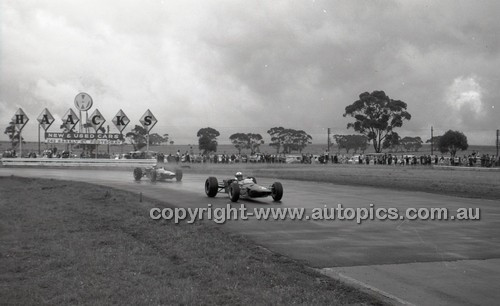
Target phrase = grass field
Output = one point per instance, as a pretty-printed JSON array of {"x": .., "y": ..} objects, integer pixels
[{"x": 91, "y": 245}]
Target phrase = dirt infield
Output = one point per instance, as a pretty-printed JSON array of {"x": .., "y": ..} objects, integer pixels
[{"x": 75, "y": 243}]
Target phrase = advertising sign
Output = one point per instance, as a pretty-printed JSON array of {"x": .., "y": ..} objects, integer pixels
[{"x": 45, "y": 119}]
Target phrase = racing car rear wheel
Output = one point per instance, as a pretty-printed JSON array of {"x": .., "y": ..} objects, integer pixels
[
  {"x": 178, "y": 175},
  {"x": 211, "y": 186},
  {"x": 234, "y": 191},
  {"x": 137, "y": 174},
  {"x": 153, "y": 175},
  {"x": 277, "y": 191}
]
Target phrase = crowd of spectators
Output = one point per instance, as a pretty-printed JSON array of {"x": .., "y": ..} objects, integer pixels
[
  {"x": 471, "y": 160},
  {"x": 474, "y": 159}
]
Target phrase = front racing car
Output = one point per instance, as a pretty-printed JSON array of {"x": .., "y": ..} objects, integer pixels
[{"x": 245, "y": 188}]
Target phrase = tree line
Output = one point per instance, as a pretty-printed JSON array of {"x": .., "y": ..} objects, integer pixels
[
  {"x": 284, "y": 140},
  {"x": 376, "y": 116},
  {"x": 139, "y": 138}
]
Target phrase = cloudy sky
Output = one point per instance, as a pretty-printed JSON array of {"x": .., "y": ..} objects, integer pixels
[{"x": 247, "y": 66}]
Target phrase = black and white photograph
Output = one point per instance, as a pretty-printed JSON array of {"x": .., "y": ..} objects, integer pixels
[{"x": 229, "y": 152}]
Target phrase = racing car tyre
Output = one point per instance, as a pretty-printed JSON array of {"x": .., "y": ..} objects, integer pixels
[
  {"x": 277, "y": 191},
  {"x": 211, "y": 186},
  {"x": 178, "y": 175},
  {"x": 234, "y": 192},
  {"x": 137, "y": 174},
  {"x": 253, "y": 179},
  {"x": 153, "y": 175}
]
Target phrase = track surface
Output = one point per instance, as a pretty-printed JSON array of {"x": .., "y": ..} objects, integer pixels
[{"x": 379, "y": 255}]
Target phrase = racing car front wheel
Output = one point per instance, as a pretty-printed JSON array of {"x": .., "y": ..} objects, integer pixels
[
  {"x": 234, "y": 191},
  {"x": 277, "y": 191},
  {"x": 178, "y": 175},
  {"x": 137, "y": 174},
  {"x": 211, "y": 186}
]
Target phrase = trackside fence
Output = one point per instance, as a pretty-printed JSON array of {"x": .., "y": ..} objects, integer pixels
[{"x": 76, "y": 162}]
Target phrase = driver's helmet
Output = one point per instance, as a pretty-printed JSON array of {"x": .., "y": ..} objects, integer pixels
[{"x": 239, "y": 176}]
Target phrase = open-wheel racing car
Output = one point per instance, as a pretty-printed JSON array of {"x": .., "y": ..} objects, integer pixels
[
  {"x": 157, "y": 174},
  {"x": 242, "y": 187}
]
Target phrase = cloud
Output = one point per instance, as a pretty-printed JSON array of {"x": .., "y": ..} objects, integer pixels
[
  {"x": 246, "y": 66},
  {"x": 465, "y": 94}
]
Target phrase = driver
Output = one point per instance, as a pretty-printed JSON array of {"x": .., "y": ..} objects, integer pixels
[{"x": 239, "y": 176}]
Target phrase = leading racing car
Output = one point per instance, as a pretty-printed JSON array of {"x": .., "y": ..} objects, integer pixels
[
  {"x": 157, "y": 174},
  {"x": 242, "y": 187}
]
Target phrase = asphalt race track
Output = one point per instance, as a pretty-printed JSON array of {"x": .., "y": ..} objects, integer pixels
[{"x": 411, "y": 262}]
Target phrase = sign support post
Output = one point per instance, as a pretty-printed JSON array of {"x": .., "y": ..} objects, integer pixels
[
  {"x": 96, "y": 121},
  {"x": 45, "y": 120},
  {"x": 83, "y": 102},
  {"x": 96, "y": 144},
  {"x": 147, "y": 142},
  {"x": 108, "y": 141},
  {"x": 120, "y": 121},
  {"x": 148, "y": 120},
  {"x": 20, "y": 119},
  {"x": 39, "y": 150},
  {"x": 20, "y": 144}
]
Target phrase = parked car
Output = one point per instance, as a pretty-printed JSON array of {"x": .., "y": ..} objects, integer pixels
[
  {"x": 353, "y": 160},
  {"x": 293, "y": 159}
]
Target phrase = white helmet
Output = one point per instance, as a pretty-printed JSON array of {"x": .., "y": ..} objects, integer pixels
[{"x": 239, "y": 175}]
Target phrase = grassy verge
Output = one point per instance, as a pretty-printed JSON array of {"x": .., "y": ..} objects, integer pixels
[
  {"x": 73, "y": 243},
  {"x": 471, "y": 184}
]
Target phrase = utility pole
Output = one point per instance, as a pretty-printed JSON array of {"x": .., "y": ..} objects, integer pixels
[
  {"x": 498, "y": 134},
  {"x": 432, "y": 140},
  {"x": 328, "y": 142}
]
